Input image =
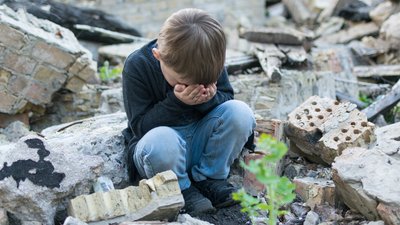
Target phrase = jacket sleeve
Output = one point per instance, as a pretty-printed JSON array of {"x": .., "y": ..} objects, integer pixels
[
  {"x": 224, "y": 93},
  {"x": 143, "y": 110}
]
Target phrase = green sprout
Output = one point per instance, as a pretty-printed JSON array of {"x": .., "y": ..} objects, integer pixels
[
  {"x": 279, "y": 190},
  {"x": 107, "y": 73}
]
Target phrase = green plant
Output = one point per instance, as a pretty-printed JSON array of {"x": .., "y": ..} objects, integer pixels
[
  {"x": 366, "y": 99},
  {"x": 279, "y": 190},
  {"x": 107, "y": 73}
]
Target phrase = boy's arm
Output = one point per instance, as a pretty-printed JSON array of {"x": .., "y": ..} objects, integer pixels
[{"x": 224, "y": 93}]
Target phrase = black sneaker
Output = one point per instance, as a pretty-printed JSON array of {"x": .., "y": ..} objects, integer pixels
[
  {"x": 218, "y": 191},
  {"x": 195, "y": 202}
]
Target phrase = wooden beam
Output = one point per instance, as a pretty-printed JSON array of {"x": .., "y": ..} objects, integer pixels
[
  {"x": 376, "y": 70},
  {"x": 383, "y": 104}
]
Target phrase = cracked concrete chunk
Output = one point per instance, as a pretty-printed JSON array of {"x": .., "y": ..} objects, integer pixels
[
  {"x": 35, "y": 176},
  {"x": 367, "y": 181},
  {"x": 131, "y": 203}
]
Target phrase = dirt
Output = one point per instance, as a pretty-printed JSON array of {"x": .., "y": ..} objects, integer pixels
[{"x": 227, "y": 216}]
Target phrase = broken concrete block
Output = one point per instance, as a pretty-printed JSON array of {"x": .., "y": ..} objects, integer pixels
[
  {"x": 388, "y": 140},
  {"x": 390, "y": 31},
  {"x": 322, "y": 128},
  {"x": 353, "y": 33},
  {"x": 300, "y": 12},
  {"x": 37, "y": 54},
  {"x": 367, "y": 181},
  {"x": 73, "y": 221},
  {"x": 117, "y": 54},
  {"x": 3, "y": 217},
  {"x": 315, "y": 191},
  {"x": 382, "y": 11},
  {"x": 158, "y": 198}
]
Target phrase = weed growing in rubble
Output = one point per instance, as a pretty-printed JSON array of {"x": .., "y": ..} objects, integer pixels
[
  {"x": 107, "y": 73},
  {"x": 279, "y": 190}
]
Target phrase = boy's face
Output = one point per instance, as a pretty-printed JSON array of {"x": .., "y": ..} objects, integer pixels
[{"x": 170, "y": 75}]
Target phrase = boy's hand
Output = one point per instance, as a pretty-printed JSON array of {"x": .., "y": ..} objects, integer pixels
[{"x": 195, "y": 94}]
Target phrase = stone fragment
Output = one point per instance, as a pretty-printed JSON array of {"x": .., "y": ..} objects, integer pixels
[
  {"x": 390, "y": 32},
  {"x": 367, "y": 182},
  {"x": 299, "y": 11},
  {"x": 312, "y": 218},
  {"x": 73, "y": 221},
  {"x": 158, "y": 198},
  {"x": 382, "y": 11},
  {"x": 389, "y": 213},
  {"x": 322, "y": 128},
  {"x": 388, "y": 141},
  {"x": 6, "y": 119},
  {"x": 315, "y": 191},
  {"x": 111, "y": 101},
  {"x": 3, "y": 217},
  {"x": 117, "y": 54},
  {"x": 379, "y": 222}
]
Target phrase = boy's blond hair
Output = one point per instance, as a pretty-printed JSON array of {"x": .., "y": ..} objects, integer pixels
[{"x": 193, "y": 44}]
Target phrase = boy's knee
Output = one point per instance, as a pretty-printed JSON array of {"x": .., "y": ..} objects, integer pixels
[
  {"x": 240, "y": 114},
  {"x": 160, "y": 147}
]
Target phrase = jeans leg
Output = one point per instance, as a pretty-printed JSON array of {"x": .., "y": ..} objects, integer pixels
[
  {"x": 219, "y": 139},
  {"x": 159, "y": 150}
]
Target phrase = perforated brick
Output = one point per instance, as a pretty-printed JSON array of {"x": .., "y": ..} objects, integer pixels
[{"x": 322, "y": 128}]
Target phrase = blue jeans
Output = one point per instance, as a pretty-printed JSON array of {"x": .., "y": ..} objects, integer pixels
[{"x": 204, "y": 149}]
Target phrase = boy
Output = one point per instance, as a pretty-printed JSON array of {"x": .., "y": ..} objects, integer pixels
[{"x": 181, "y": 115}]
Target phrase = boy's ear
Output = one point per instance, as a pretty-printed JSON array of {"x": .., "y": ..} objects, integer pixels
[{"x": 156, "y": 53}]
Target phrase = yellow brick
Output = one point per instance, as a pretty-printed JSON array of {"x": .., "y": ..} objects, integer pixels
[
  {"x": 113, "y": 203},
  {"x": 95, "y": 204},
  {"x": 77, "y": 208}
]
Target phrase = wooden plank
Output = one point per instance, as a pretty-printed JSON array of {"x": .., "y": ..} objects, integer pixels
[
  {"x": 270, "y": 35},
  {"x": 383, "y": 104},
  {"x": 376, "y": 70},
  {"x": 270, "y": 58},
  {"x": 68, "y": 16}
]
